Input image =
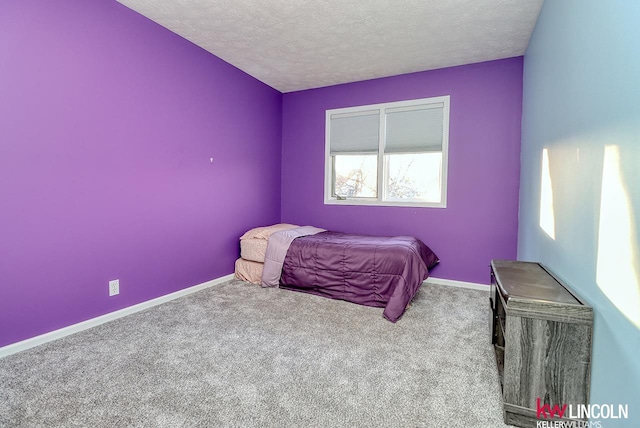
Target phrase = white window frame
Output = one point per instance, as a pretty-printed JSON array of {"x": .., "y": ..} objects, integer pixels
[{"x": 380, "y": 200}]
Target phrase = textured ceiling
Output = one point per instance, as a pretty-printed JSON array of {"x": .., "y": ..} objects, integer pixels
[{"x": 301, "y": 44}]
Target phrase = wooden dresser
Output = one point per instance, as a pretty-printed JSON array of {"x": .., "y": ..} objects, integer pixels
[{"x": 541, "y": 334}]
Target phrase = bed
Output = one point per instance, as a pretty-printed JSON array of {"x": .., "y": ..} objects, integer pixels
[{"x": 372, "y": 271}]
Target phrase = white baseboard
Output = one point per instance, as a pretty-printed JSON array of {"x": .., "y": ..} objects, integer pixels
[
  {"x": 93, "y": 322},
  {"x": 460, "y": 284}
]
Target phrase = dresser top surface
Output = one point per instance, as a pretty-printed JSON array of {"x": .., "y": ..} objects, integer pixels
[{"x": 527, "y": 280}]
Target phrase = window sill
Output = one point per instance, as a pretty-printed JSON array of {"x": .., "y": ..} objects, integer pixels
[{"x": 377, "y": 203}]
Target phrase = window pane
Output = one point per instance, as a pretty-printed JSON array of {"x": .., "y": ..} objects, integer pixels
[
  {"x": 356, "y": 176},
  {"x": 414, "y": 176}
]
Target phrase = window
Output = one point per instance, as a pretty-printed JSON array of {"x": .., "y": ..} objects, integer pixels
[{"x": 392, "y": 154}]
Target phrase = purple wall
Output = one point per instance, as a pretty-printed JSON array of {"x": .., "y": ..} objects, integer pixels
[
  {"x": 480, "y": 221},
  {"x": 107, "y": 124}
]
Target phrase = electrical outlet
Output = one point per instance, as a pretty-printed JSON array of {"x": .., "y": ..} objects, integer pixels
[{"x": 114, "y": 287}]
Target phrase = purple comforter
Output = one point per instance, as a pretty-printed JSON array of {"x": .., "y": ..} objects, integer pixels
[{"x": 373, "y": 271}]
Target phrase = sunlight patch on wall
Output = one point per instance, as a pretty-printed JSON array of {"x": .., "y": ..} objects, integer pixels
[
  {"x": 617, "y": 250},
  {"x": 547, "y": 214}
]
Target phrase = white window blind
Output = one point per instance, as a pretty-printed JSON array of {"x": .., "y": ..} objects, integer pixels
[
  {"x": 355, "y": 133},
  {"x": 414, "y": 130}
]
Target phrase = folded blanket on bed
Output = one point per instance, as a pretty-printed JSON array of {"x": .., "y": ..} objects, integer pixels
[
  {"x": 277, "y": 250},
  {"x": 253, "y": 249},
  {"x": 264, "y": 232}
]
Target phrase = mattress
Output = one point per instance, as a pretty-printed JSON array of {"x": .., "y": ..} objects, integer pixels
[
  {"x": 247, "y": 270},
  {"x": 253, "y": 249}
]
